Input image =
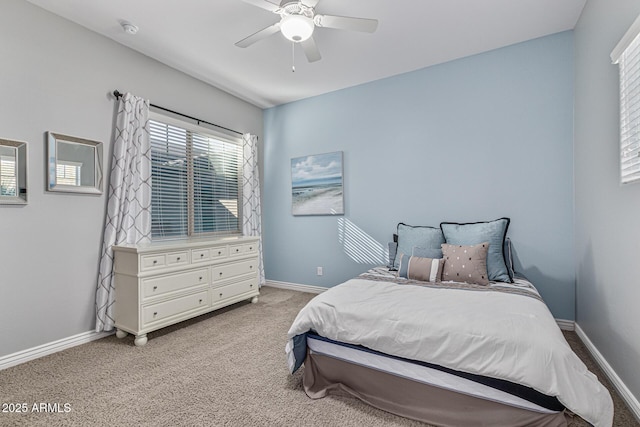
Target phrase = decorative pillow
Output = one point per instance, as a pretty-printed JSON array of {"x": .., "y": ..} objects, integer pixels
[
  {"x": 418, "y": 268},
  {"x": 426, "y": 252},
  {"x": 493, "y": 232},
  {"x": 422, "y": 236},
  {"x": 393, "y": 250},
  {"x": 508, "y": 258},
  {"x": 466, "y": 263}
]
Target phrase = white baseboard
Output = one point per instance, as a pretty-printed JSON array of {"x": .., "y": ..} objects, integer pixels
[
  {"x": 566, "y": 325},
  {"x": 618, "y": 384},
  {"x": 49, "y": 348},
  {"x": 296, "y": 287}
]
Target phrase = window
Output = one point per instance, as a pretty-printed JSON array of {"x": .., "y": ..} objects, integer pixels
[
  {"x": 627, "y": 55},
  {"x": 68, "y": 173},
  {"x": 196, "y": 180},
  {"x": 8, "y": 182}
]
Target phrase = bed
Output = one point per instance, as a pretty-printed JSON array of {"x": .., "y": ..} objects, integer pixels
[{"x": 444, "y": 352}]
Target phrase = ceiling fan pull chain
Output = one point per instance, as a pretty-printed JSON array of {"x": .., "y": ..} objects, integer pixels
[{"x": 293, "y": 57}]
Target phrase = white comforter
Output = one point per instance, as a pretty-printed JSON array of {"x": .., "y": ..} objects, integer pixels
[{"x": 499, "y": 335}]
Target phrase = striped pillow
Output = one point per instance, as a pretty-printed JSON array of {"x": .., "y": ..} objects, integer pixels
[{"x": 418, "y": 268}]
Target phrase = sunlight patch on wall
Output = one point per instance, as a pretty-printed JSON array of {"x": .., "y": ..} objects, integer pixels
[{"x": 359, "y": 246}]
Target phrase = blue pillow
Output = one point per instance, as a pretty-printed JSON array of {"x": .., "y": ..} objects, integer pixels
[
  {"x": 493, "y": 232},
  {"x": 426, "y": 252},
  {"x": 421, "y": 236}
]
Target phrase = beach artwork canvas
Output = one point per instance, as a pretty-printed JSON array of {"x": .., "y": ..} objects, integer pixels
[{"x": 316, "y": 185}]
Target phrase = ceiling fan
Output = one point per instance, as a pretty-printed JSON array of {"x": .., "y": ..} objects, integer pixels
[{"x": 298, "y": 20}]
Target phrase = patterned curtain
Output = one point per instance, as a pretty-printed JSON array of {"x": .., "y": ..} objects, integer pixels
[
  {"x": 251, "y": 209},
  {"x": 128, "y": 219}
]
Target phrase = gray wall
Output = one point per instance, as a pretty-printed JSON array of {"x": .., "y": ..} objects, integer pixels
[
  {"x": 56, "y": 76},
  {"x": 607, "y": 229},
  {"x": 470, "y": 140}
]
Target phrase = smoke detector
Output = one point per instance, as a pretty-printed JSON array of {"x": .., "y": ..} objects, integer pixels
[{"x": 128, "y": 27}]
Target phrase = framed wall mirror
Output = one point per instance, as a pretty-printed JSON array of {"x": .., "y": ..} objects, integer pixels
[
  {"x": 13, "y": 172},
  {"x": 75, "y": 164}
]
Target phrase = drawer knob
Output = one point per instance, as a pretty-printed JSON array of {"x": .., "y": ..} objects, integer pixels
[
  {"x": 251, "y": 286},
  {"x": 237, "y": 250},
  {"x": 178, "y": 258},
  {"x": 155, "y": 261},
  {"x": 220, "y": 293},
  {"x": 221, "y": 273},
  {"x": 219, "y": 252},
  {"x": 200, "y": 301},
  {"x": 201, "y": 255},
  {"x": 155, "y": 313},
  {"x": 155, "y": 287},
  {"x": 251, "y": 266},
  {"x": 200, "y": 278}
]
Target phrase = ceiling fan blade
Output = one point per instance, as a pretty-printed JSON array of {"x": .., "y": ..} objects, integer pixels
[
  {"x": 311, "y": 50},
  {"x": 262, "y": 34},
  {"x": 346, "y": 23},
  {"x": 264, "y": 4},
  {"x": 310, "y": 3}
]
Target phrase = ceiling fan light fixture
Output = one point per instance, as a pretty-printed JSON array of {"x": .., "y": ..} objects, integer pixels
[{"x": 297, "y": 28}]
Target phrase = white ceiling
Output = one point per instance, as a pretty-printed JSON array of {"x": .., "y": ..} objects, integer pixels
[{"x": 198, "y": 36}]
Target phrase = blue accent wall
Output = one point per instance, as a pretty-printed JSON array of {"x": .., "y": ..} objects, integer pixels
[{"x": 474, "y": 139}]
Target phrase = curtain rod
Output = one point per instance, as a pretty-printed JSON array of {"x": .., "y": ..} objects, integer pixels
[{"x": 118, "y": 94}]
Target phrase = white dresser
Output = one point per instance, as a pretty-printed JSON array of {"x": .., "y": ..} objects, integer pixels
[{"x": 167, "y": 282}]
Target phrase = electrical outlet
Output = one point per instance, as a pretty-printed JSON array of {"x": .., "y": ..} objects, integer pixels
[{"x": 319, "y": 271}]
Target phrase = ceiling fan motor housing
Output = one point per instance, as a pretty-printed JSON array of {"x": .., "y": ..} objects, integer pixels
[{"x": 297, "y": 8}]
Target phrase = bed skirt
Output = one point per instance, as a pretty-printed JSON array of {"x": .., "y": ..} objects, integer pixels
[{"x": 325, "y": 375}]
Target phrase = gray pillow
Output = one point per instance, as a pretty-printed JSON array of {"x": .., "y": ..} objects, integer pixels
[
  {"x": 493, "y": 232},
  {"x": 421, "y": 236},
  {"x": 508, "y": 258},
  {"x": 393, "y": 250}
]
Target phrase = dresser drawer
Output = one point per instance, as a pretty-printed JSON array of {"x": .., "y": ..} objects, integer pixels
[
  {"x": 219, "y": 252},
  {"x": 230, "y": 291},
  {"x": 174, "y": 282},
  {"x": 228, "y": 271},
  {"x": 156, "y": 312},
  {"x": 244, "y": 249},
  {"x": 177, "y": 258},
  {"x": 200, "y": 255},
  {"x": 149, "y": 262}
]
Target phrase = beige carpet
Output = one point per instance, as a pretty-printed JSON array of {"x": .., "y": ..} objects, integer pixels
[{"x": 222, "y": 369}]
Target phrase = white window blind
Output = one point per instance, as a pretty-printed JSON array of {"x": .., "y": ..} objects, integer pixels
[
  {"x": 68, "y": 173},
  {"x": 8, "y": 182},
  {"x": 196, "y": 182},
  {"x": 627, "y": 55}
]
